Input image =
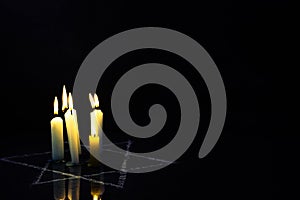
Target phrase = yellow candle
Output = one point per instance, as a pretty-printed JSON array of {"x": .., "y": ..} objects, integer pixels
[
  {"x": 57, "y": 135},
  {"x": 94, "y": 145},
  {"x": 64, "y": 107},
  {"x": 73, "y": 133},
  {"x": 76, "y": 124},
  {"x": 94, "y": 141},
  {"x": 77, "y": 131}
]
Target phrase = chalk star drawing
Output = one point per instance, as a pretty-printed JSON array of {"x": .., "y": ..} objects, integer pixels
[{"x": 87, "y": 177}]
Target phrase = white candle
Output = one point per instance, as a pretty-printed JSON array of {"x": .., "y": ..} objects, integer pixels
[
  {"x": 77, "y": 130},
  {"x": 96, "y": 126},
  {"x": 73, "y": 133},
  {"x": 95, "y": 123},
  {"x": 96, "y": 116},
  {"x": 64, "y": 107},
  {"x": 57, "y": 135}
]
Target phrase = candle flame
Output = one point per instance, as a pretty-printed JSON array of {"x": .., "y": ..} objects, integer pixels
[
  {"x": 70, "y": 101},
  {"x": 95, "y": 197},
  {"x": 92, "y": 100},
  {"x": 96, "y": 100},
  {"x": 55, "y": 106},
  {"x": 64, "y": 99}
]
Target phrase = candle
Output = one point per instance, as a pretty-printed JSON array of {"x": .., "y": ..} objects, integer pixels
[
  {"x": 57, "y": 134},
  {"x": 99, "y": 119},
  {"x": 96, "y": 125},
  {"x": 72, "y": 130},
  {"x": 65, "y": 107},
  {"x": 96, "y": 115},
  {"x": 77, "y": 130}
]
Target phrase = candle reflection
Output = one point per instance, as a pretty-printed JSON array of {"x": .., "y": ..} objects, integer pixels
[
  {"x": 73, "y": 189},
  {"x": 74, "y": 184},
  {"x": 59, "y": 188},
  {"x": 97, "y": 189}
]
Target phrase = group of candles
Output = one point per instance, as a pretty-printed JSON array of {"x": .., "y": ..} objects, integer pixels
[{"x": 70, "y": 117}]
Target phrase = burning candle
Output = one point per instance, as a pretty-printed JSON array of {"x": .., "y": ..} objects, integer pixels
[
  {"x": 96, "y": 115},
  {"x": 65, "y": 107},
  {"x": 57, "y": 134},
  {"x": 96, "y": 125},
  {"x": 77, "y": 130},
  {"x": 72, "y": 129}
]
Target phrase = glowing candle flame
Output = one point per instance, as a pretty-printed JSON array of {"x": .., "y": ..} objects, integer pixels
[
  {"x": 96, "y": 100},
  {"x": 55, "y": 106},
  {"x": 64, "y": 99},
  {"x": 70, "y": 101},
  {"x": 92, "y": 100}
]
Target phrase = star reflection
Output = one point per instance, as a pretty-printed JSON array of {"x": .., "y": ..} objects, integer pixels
[{"x": 73, "y": 190}]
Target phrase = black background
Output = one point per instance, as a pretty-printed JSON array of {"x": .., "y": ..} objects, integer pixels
[{"x": 43, "y": 44}]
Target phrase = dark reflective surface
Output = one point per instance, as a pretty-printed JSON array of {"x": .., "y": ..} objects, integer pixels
[{"x": 43, "y": 44}]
